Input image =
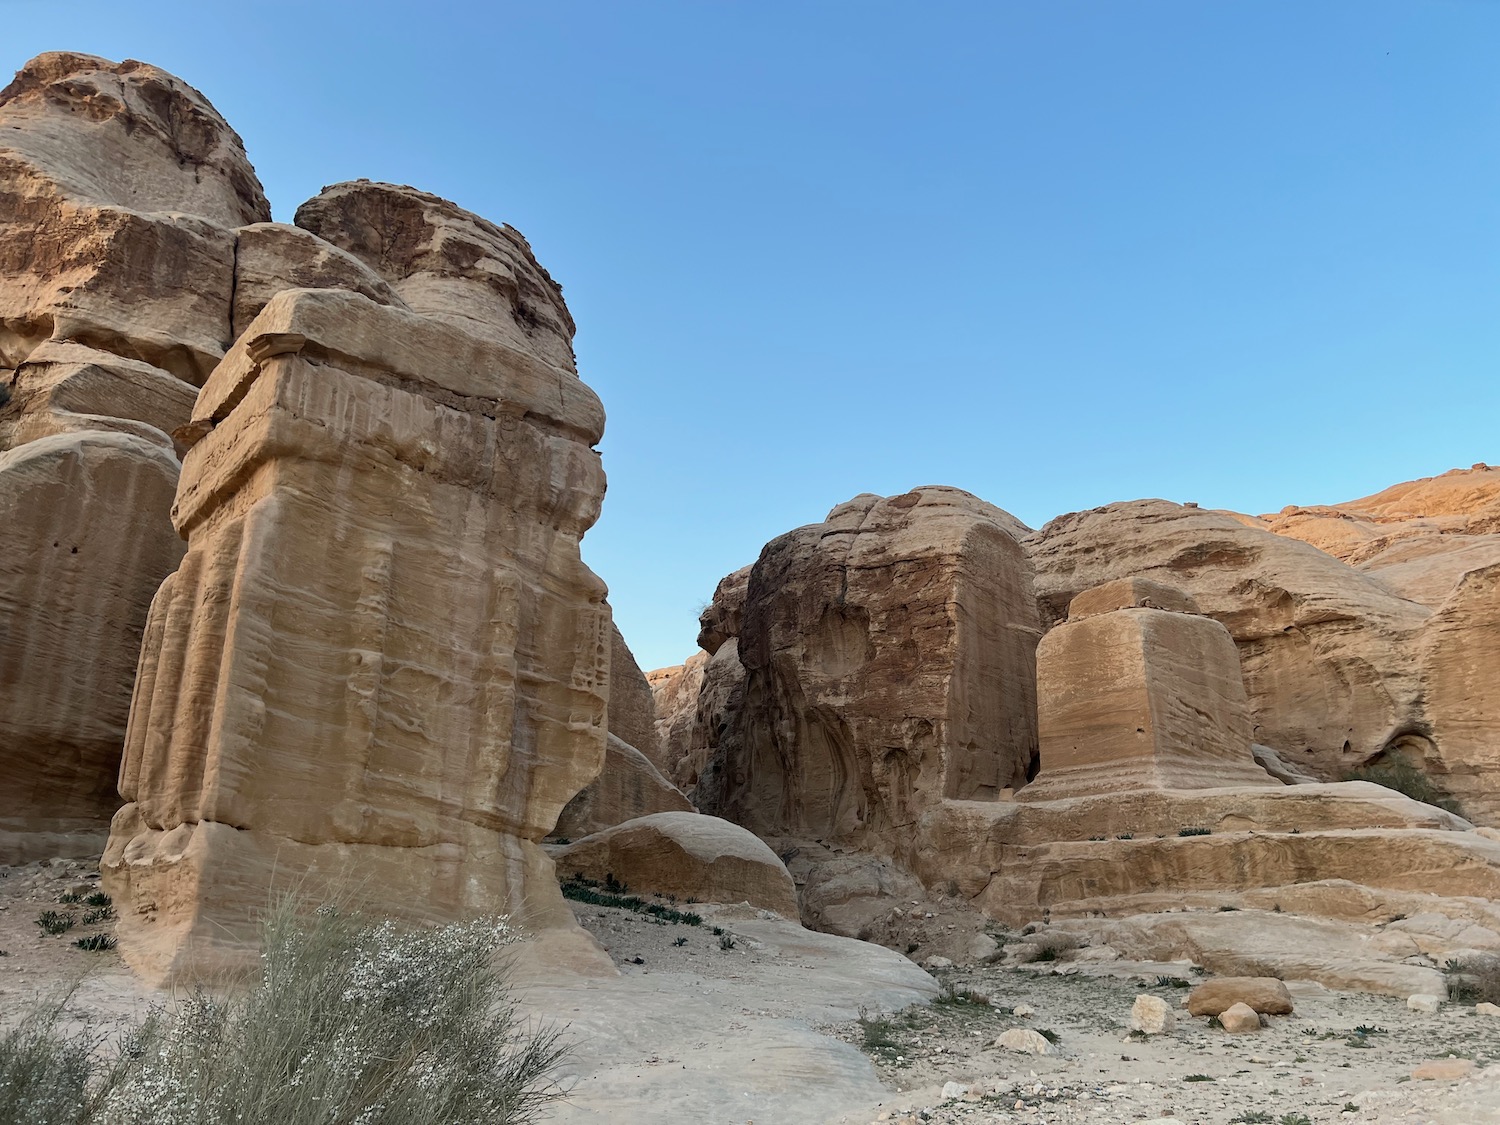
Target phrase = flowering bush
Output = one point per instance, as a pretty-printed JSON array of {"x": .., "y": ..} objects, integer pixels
[{"x": 352, "y": 1023}]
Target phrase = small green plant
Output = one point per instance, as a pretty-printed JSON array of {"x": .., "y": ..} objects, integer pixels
[
  {"x": 877, "y": 1032},
  {"x": 99, "y": 914},
  {"x": 95, "y": 943},
  {"x": 1214, "y": 1022},
  {"x": 1195, "y": 831},
  {"x": 1095, "y": 839},
  {"x": 583, "y": 890},
  {"x": 1369, "y": 1029},
  {"x": 69, "y": 897},
  {"x": 1125, "y": 836},
  {"x": 680, "y": 942},
  {"x": 1253, "y": 1117},
  {"x": 98, "y": 898},
  {"x": 726, "y": 942},
  {"x": 1401, "y": 775},
  {"x": 1199, "y": 1078},
  {"x": 54, "y": 923},
  {"x": 1294, "y": 1119},
  {"x": 718, "y": 931},
  {"x": 1173, "y": 982}
]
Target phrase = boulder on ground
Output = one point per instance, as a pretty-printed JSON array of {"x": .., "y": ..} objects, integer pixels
[
  {"x": 1239, "y": 1019},
  {"x": 1151, "y": 1015},
  {"x": 688, "y": 855},
  {"x": 1266, "y": 995},
  {"x": 1425, "y": 1002},
  {"x": 1025, "y": 1041}
]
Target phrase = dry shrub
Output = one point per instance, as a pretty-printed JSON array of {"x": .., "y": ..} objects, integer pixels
[{"x": 352, "y": 1022}]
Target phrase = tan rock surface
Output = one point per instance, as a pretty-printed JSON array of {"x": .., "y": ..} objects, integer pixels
[
  {"x": 628, "y": 787},
  {"x": 632, "y": 706},
  {"x": 1266, "y": 995},
  {"x": 888, "y": 656},
  {"x": 1239, "y": 1019},
  {"x": 724, "y": 616},
  {"x": 1137, "y": 698},
  {"x": 1129, "y": 593},
  {"x": 1326, "y": 651},
  {"x": 72, "y": 609},
  {"x": 716, "y": 738},
  {"x": 382, "y": 651},
  {"x": 270, "y": 257},
  {"x": 1459, "y": 653},
  {"x": 448, "y": 264},
  {"x": 689, "y": 855},
  {"x": 674, "y": 693}
]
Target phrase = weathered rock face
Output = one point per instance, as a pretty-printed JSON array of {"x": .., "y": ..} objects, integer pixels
[
  {"x": 632, "y": 707},
  {"x": 1460, "y": 651},
  {"x": 628, "y": 787},
  {"x": 70, "y": 630},
  {"x": 674, "y": 693},
  {"x": 382, "y": 651},
  {"x": 448, "y": 264},
  {"x": 889, "y": 664},
  {"x": 120, "y": 187},
  {"x": 1327, "y": 652},
  {"x": 1140, "y": 698}
]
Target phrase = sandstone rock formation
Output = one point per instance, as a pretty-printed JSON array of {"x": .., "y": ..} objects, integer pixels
[
  {"x": 1131, "y": 698},
  {"x": 694, "y": 857},
  {"x": 888, "y": 664},
  {"x": 382, "y": 651},
  {"x": 1265, "y": 995},
  {"x": 628, "y": 787},
  {"x": 121, "y": 189},
  {"x": 632, "y": 706},
  {"x": 1327, "y": 652},
  {"x": 674, "y": 693}
]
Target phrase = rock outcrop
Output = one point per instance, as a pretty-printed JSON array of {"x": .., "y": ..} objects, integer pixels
[
  {"x": 692, "y": 857},
  {"x": 120, "y": 192},
  {"x": 1134, "y": 697},
  {"x": 628, "y": 787},
  {"x": 888, "y": 659},
  {"x": 674, "y": 693},
  {"x": 632, "y": 706},
  {"x": 1327, "y": 652},
  {"x": 382, "y": 656}
]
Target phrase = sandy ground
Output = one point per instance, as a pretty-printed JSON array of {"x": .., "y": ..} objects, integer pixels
[{"x": 760, "y": 1023}]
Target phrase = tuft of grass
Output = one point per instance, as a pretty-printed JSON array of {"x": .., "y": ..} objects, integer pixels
[
  {"x": 98, "y": 898},
  {"x": 1253, "y": 1117},
  {"x": 726, "y": 942},
  {"x": 1294, "y": 1119},
  {"x": 1195, "y": 832},
  {"x": 583, "y": 890},
  {"x": 99, "y": 914},
  {"x": 68, "y": 898},
  {"x": 1474, "y": 980},
  {"x": 1350, "y": 1107},
  {"x": 1173, "y": 982},
  {"x": 1125, "y": 836},
  {"x": 54, "y": 923},
  {"x": 95, "y": 943},
  {"x": 877, "y": 1032},
  {"x": 1200, "y": 1078},
  {"x": 1401, "y": 775},
  {"x": 680, "y": 942}
]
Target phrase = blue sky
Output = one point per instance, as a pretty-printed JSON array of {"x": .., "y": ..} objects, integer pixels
[{"x": 1057, "y": 253}]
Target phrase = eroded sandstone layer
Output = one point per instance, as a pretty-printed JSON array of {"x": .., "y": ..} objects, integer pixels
[
  {"x": 382, "y": 657},
  {"x": 889, "y": 663},
  {"x": 120, "y": 188}
]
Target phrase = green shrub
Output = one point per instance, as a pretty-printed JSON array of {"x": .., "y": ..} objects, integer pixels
[
  {"x": 1399, "y": 774},
  {"x": 54, "y": 923},
  {"x": 95, "y": 943},
  {"x": 1195, "y": 832}
]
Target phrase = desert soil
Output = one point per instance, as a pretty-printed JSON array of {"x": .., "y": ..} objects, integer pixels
[{"x": 765, "y": 1027}]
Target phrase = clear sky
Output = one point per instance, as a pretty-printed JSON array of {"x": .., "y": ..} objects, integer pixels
[{"x": 1056, "y": 252}]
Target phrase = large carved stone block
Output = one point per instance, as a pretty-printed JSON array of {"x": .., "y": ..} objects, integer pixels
[
  {"x": 382, "y": 657},
  {"x": 1141, "y": 698}
]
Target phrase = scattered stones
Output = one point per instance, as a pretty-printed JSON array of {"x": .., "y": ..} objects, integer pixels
[
  {"x": 1151, "y": 1015},
  {"x": 1266, "y": 995},
  {"x": 954, "y": 1090},
  {"x": 936, "y": 962},
  {"x": 1239, "y": 1019}
]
